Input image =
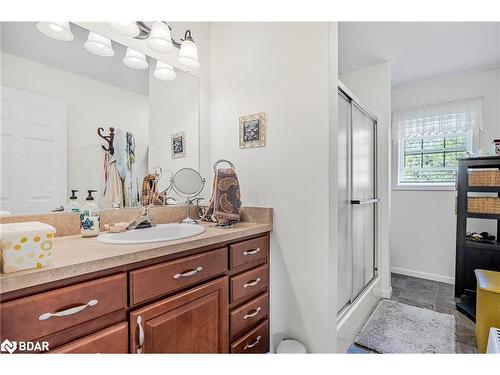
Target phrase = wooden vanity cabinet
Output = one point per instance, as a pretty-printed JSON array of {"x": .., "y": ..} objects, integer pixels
[
  {"x": 214, "y": 300},
  {"x": 194, "y": 321}
]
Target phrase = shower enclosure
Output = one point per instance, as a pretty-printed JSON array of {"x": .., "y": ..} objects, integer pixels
[{"x": 357, "y": 194}]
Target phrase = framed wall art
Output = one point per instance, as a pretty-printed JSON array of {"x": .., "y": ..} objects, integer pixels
[
  {"x": 178, "y": 145},
  {"x": 253, "y": 130}
]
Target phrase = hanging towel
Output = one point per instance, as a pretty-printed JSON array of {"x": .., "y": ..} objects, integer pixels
[
  {"x": 225, "y": 202},
  {"x": 150, "y": 194},
  {"x": 130, "y": 186},
  {"x": 113, "y": 191},
  {"x": 120, "y": 146}
]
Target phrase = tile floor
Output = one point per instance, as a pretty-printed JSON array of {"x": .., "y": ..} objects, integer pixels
[{"x": 435, "y": 296}]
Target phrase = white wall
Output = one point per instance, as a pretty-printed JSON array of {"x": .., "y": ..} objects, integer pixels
[
  {"x": 424, "y": 222},
  {"x": 372, "y": 86},
  {"x": 90, "y": 104},
  {"x": 267, "y": 67}
]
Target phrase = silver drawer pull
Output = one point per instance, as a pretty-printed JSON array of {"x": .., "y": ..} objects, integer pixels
[
  {"x": 249, "y": 346},
  {"x": 67, "y": 312},
  {"x": 251, "y": 252},
  {"x": 188, "y": 273},
  {"x": 141, "y": 335},
  {"x": 252, "y": 283},
  {"x": 252, "y": 314}
]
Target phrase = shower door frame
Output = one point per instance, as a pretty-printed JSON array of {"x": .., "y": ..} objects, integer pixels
[{"x": 354, "y": 101}]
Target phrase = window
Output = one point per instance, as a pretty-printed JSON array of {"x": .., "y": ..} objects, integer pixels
[{"x": 431, "y": 138}]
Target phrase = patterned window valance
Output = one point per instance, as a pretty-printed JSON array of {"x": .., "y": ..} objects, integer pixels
[{"x": 440, "y": 119}]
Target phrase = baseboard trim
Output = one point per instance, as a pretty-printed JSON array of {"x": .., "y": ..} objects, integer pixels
[
  {"x": 423, "y": 275},
  {"x": 384, "y": 293}
]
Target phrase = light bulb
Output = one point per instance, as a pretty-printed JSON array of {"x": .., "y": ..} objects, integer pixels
[
  {"x": 56, "y": 30},
  {"x": 159, "y": 39},
  {"x": 188, "y": 54},
  {"x": 129, "y": 29},
  {"x": 99, "y": 45},
  {"x": 135, "y": 59},
  {"x": 164, "y": 71}
]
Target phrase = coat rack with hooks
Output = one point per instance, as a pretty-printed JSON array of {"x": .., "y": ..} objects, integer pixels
[{"x": 108, "y": 138}]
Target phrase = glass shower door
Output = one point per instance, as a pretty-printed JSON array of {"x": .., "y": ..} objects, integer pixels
[
  {"x": 363, "y": 199},
  {"x": 357, "y": 202}
]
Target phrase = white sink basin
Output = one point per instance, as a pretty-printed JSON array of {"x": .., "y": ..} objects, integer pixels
[{"x": 159, "y": 233}]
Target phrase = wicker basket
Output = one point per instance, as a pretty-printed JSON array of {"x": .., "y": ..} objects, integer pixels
[
  {"x": 483, "y": 205},
  {"x": 484, "y": 178}
]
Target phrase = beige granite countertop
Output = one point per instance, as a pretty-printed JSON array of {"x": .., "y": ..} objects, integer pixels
[{"x": 75, "y": 255}]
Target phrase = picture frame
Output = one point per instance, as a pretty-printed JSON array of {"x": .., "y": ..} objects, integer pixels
[
  {"x": 178, "y": 145},
  {"x": 253, "y": 130}
]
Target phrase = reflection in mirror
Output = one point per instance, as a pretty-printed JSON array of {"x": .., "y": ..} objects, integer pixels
[{"x": 56, "y": 94}]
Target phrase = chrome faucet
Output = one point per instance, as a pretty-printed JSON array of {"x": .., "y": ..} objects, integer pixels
[{"x": 145, "y": 220}]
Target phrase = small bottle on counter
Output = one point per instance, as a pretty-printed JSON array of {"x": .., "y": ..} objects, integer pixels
[
  {"x": 89, "y": 217},
  {"x": 73, "y": 205}
]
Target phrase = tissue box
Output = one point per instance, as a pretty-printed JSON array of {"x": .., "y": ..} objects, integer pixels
[{"x": 26, "y": 245}]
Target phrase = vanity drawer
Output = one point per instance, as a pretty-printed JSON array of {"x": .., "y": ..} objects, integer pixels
[
  {"x": 256, "y": 341},
  {"x": 247, "y": 315},
  {"x": 109, "y": 340},
  {"x": 248, "y": 251},
  {"x": 150, "y": 282},
  {"x": 39, "y": 315},
  {"x": 249, "y": 282}
]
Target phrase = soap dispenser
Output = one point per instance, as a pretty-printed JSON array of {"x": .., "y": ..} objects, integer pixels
[
  {"x": 89, "y": 217},
  {"x": 73, "y": 205}
]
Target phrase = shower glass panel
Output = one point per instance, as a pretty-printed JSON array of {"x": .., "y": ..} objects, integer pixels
[
  {"x": 357, "y": 199},
  {"x": 344, "y": 255}
]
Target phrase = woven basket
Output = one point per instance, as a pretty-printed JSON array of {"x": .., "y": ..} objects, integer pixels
[
  {"x": 484, "y": 178},
  {"x": 483, "y": 205}
]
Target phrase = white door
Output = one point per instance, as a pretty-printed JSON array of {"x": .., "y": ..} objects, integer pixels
[{"x": 33, "y": 152}]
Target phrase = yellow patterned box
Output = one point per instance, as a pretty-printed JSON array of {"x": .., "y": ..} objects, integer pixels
[{"x": 26, "y": 245}]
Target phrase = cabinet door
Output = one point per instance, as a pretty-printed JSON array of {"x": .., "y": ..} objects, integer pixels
[{"x": 195, "y": 321}]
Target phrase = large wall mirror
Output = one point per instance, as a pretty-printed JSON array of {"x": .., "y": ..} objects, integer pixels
[{"x": 56, "y": 94}]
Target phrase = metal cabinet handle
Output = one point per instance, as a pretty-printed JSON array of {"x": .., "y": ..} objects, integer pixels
[
  {"x": 366, "y": 201},
  {"x": 141, "y": 335},
  {"x": 251, "y": 252},
  {"x": 188, "y": 273},
  {"x": 252, "y": 314},
  {"x": 67, "y": 312},
  {"x": 252, "y": 283},
  {"x": 249, "y": 346}
]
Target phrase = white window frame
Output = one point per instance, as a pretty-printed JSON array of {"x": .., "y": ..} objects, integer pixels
[{"x": 396, "y": 158}]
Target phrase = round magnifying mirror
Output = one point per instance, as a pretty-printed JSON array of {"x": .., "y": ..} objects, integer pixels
[
  {"x": 188, "y": 182},
  {"x": 164, "y": 181}
]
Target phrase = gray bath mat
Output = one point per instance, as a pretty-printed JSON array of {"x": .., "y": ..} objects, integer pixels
[{"x": 395, "y": 327}]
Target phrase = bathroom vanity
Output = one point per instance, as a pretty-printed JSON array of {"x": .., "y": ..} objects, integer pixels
[{"x": 204, "y": 294}]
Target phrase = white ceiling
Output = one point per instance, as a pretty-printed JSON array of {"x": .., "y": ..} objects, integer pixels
[{"x": 419, "y": 50}]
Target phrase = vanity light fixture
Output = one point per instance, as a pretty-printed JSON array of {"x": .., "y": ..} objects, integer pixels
[
  {"x": 56, "y": 30},
  {"x": 99, "y": 45},
  {"x": 129, "y": 29},
  {"x": 159, "y": 39},
  {"x": 164, "y": 71},
  {"x": 135, "y": 59}
]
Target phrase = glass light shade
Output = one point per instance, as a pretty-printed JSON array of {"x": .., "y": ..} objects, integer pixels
[
  {"x": 164, "y": 71},
  {"x": 56, "y": 30},
  {"x": 135, "y": 59},
  {"x": 188, "y": 54},
  {"x": 99, "y": 45},
  {"x": 129, "y": 29},
  {"x": 159, "y": 39}
]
